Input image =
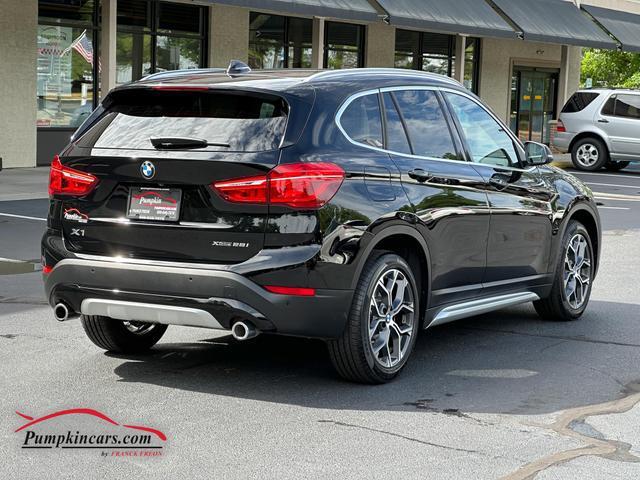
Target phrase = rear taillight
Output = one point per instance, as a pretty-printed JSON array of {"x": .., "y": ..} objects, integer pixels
[
  {"x": 68, "y": 181},
  {"x": 297, "y": 185},
  {"x": 560, "y": 127}
]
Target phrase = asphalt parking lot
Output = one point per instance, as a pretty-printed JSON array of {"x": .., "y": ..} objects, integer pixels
[{"x": 504, "y": 395}]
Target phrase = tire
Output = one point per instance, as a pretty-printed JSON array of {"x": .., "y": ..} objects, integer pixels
[
  {"x": 121, "y": 337},
  {"x": 353, "y": 354},
  {"x": 613, "y": 166},
  {"x": 589, "y": 154},
  {"x": 561, "y": 305}
]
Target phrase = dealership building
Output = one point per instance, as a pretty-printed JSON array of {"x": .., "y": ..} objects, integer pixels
[{"x": 58, "y": 57}]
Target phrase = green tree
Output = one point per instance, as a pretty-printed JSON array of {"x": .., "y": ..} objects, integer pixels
[{"x": 609, "y": 68}]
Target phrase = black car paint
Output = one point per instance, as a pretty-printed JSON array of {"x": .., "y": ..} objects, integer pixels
[{"x": 471, "y": 237}]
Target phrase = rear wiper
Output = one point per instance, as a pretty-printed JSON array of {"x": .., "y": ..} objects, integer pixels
[{"x": 179, "y": 143}]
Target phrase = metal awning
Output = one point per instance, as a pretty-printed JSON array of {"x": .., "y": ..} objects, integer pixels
[
  {"x": 555, "y": 21},
  {"x": 359, "y": 10},
  {"x": 624, "y": 26},
  {"x": 471, "y": 17}
]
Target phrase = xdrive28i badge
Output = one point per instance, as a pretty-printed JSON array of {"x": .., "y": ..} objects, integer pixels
[{"x": 148, "y": 170}]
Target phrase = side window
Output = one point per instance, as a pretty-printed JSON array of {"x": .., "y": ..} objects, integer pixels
[
  {"x": 628, "y": 106},
  {"x": 362, "y": 121},
  {"x": 609, "y": 107},
  {"x": 488, "y": 142},
  {"x": 396, "y": 135},
  {"x": 426, "y": 124}
]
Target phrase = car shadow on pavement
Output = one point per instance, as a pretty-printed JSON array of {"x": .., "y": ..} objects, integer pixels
[{"x": 504, "y": 362}]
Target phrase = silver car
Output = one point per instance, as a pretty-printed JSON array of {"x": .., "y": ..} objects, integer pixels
[{"x": 601, "y": 128}]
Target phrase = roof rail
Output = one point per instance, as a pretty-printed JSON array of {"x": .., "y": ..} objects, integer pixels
[
  {"x": 185, "y": 71},
  {"x": 329, "y": 74},
  {"x": 235, "y": 68}
]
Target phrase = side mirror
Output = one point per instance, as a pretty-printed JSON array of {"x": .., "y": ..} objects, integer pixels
[{"x": 537, "y": 153}]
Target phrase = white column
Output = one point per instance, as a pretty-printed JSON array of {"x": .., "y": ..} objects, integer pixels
[
  {"x": 317, "y": 43},
  {"x": 380, "y": 45},
  {"x": 228, "y": 35},
  {"x": 18, "y": 84},
  {"x": 461, "y": 46},
  {"x": 563, "y": 83},
  {"x": 108, "y": 46}
]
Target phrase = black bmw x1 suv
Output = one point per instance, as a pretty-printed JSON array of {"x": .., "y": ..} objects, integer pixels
[{"x": 359, "y": 207}]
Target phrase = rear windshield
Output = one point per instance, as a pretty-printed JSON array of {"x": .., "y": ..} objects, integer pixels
[
  {"x": 228, "y": 121},
  {"x": 579, "y": 101}
]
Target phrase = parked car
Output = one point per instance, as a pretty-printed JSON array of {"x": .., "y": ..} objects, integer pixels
[
  {"x": 360, "y": 207},
  {"x": 601, "y": 128}
]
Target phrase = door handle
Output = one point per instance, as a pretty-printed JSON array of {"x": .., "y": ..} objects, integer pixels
[
  {"x": 603, "y": 120},
  {"x": 420, "y": 175}
]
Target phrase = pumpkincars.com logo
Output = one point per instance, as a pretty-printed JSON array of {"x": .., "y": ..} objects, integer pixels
[{"x": 89, "y": 429}]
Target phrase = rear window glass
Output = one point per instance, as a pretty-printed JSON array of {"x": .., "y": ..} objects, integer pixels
[
  {"x": 227, "y": 121},
  {"x": 579, "y": 101},
  {"x": 362, "y": 121}
]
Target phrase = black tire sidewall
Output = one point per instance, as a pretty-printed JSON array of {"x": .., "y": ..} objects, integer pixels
[
  {"x": 603, "y": 154},
  {"x": 112, "y": 335},
  {"x": 384, "y": 263},
  {"x": 615, "y": 166},
  {"x": 573, "y": 229}
]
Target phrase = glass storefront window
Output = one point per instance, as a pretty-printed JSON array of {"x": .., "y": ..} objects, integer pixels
[
  {"x": 299, "y": 38},
  {"x": 158, "y": 36},
  {"x": 407, "y": 49},
  {"x": 133, "y": 56},
  {"x": 472, "y": 64},
  {"x": 343, "y": 45},
  {"x": 438, "y": 52},
  {"x": 435, "y": 52},
  {"x": 67, "y": 11},
  {"x": 279, "y": 42},
  {"x": 175, "y": 53},
  {"x": 266, "y": 41},
  {"x": 66, "y": 62},
  {"x": 430, "y": 52}
]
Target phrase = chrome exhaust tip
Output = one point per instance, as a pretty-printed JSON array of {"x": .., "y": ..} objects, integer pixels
[
  {"x": 242, "y": 331},
  {"x": 61, "y": 312}
]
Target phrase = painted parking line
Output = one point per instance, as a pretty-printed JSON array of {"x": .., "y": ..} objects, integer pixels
[
  {"x": 602, "y": 207},
  {"x": 24, "y": 217},
  {"x": 624, "y": 175},
  {"x": 616, "y": 197},
  {"x": 613, "y": 185}
]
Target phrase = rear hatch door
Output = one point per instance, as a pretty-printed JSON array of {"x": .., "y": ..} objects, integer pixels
[{"x": 156, "y": 153}]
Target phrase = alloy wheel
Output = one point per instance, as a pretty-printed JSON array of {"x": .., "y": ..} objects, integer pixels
[
  {"x": 577, "y": 271},
  {"x": 587, "y": 154},
  {"x": 391, "y": 318}
]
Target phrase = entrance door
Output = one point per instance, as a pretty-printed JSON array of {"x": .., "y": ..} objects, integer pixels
[{"x": 533, "y": 102}]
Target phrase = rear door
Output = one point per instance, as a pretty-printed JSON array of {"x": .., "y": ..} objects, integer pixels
[
  {"x": 442, "y": 190},
  {"x": 156, "y": 154},
  {"x": 620, "y": 119}
]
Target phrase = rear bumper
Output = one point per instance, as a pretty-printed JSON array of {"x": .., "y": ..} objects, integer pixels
[
  {"x": 208, "y": 298},
  {"x": 562, "y": 141}
]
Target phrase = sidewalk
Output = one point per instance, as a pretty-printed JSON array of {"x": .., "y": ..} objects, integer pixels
[{"x": 24, "y": 183}]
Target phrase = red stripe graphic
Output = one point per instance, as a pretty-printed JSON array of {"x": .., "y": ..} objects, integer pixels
[{"x": 85, "y": 411}]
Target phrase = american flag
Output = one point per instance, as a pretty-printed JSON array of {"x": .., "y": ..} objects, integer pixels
[{"x": 83, "y": 46}]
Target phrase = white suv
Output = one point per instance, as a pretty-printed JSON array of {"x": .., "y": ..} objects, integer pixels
[{"x": 601, "y": 128}]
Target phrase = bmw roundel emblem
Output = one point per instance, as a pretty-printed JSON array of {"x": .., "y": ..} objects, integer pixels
[{"x": 148, "y": 170}]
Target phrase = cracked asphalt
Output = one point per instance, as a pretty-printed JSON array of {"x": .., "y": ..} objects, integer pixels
[{"x": 503, "y": 395}]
